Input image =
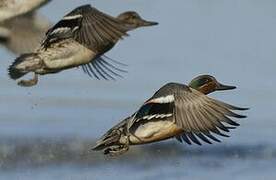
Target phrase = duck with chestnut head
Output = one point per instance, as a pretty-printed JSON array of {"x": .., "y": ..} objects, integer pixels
[{"x": 175, "y": 111}]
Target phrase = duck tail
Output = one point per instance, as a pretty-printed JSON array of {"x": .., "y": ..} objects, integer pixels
[
  {"x": 23, "y": 64},
  {"x": 111, "y": 137}
]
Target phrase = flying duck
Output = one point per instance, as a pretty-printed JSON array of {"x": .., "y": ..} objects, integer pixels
[
  {"x": 175, "y": 111},
  {"x": 81, "y": 38}
]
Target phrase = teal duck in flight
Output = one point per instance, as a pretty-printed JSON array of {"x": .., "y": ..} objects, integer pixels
[
  {"x": 81, "y": 38},
  {"x": 175, "y": 111}
]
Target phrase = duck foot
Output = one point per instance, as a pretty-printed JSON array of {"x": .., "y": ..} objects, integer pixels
[
  {"x": 30, "y": 82},
  {"x": 116, "y": 150}
]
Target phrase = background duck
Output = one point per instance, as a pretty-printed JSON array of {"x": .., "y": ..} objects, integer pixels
[
  {"x": 175, "y": 110},
  {"x": 24, "y": 33},
  {"x": 21, "y": 27},
  {"x": 13, "y": 8},
  {"x": 80, "y": 39}
]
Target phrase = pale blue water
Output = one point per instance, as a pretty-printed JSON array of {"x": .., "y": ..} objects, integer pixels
[{"x": 46, "y": 131}]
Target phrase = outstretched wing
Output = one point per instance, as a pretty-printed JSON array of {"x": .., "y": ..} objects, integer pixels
[
  {"x": 199, "y": 116},
  {"x": 89, "y": 27}
]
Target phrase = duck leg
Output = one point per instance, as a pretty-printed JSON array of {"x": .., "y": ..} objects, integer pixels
[
  {"x": 30, "y": 82},
  {"x": 116, "y": 150}
]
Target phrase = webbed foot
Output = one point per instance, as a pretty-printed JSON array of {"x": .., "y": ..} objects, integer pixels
[
  {"x": 30, "y": 82},
  {"x": 116, "y": 150}
]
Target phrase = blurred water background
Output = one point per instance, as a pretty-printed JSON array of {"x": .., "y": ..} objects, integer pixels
[{"x": 46, "y": 131}]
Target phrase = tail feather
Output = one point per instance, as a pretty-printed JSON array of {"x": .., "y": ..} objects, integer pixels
[
  {"x": 112, "y": 136},
  {"x": 107, "y": 141},
  {"x": 22, "y": 65}
]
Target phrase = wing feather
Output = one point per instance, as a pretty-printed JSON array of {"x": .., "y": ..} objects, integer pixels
[
  {"x": 95, "y": 25},
  {"x": 197, "y": 113}
]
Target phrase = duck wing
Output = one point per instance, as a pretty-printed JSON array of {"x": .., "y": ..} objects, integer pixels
[
  {"x": 88, "y": 26},
  {"x": 200, "y": 115}
]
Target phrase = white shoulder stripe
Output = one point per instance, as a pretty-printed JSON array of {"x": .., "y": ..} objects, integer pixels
[
  {"x": 72, "y": 17},
  {"x": 149, "y": 117},
  {"x": 163, "y": 100},
  {"x": 61, "y": 30}
]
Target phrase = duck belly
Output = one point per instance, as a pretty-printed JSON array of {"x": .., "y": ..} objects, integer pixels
[
  {"x": 154, "y": 131},
  {"x": 5, "y": 14},
  {"x": 66, "y": 55}
]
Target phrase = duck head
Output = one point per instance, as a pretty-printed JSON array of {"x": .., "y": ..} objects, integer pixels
[
  {"x": 133, "y": 20},
  {"x": 208, "y": 84}
]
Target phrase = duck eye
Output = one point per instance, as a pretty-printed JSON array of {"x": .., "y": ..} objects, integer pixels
[
  {"x": 130, "y": 17},
  {"x": 135, "y": 16},
  {"x": 204, "y": 81}
]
